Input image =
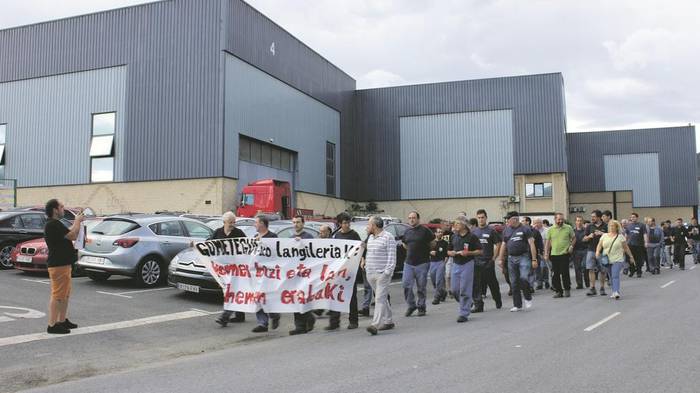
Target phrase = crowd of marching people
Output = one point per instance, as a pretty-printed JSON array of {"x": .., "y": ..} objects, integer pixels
[{"x": 460, "y": 260}]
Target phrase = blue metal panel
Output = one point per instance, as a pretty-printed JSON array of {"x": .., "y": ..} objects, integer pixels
[
  {"x": 676, "y": 151},
  {"x": 173, "y": 111},
  {"x": 536, "y": 101},
  {"x": 636, "y": 172},
  {"x": 261, "y": 107},
  {"x": 478, "y": 143},
  {"x": 49, "y": 125}
]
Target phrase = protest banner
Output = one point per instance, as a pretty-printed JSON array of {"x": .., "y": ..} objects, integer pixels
[{"x": 283, "y": 275}]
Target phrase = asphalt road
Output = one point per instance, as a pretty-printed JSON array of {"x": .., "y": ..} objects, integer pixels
[{"x": 649, "y": 343}]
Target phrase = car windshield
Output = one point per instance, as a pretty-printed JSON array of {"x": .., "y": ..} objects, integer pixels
[
  {"x": 247, "y": 199},
  {"x": 114, "y": 227}
]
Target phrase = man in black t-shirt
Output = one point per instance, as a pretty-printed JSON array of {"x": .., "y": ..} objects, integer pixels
[
  {"x": 594, "y": 231},
  {"x": 62, "y": 256},
  {"x": 438, "y": 254},
  {"x": 679, "y": 235},
  {"x": 485, "y": 268},
  {"x": 261, "y": 225},
  {"x": 346, "y": 233},
  {"x": 228, "y": 231},
  {"x": 465, "y": 247},
  {"x": 694, "y": 237},
  {"x": 416, "y": 241}
]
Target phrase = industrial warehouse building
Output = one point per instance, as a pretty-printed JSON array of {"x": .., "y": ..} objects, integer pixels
[{"x": 176, "y": 105}]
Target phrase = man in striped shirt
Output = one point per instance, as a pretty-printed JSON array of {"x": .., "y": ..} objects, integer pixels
[{"x": 379, "y": 265}]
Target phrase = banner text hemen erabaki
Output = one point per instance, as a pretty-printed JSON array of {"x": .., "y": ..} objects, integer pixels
[{"x": 283, "y": 275}]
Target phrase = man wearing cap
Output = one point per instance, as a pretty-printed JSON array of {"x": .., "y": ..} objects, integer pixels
[
  {"x": 519, "y": 245},
  {"x": 465, "y": 247}
]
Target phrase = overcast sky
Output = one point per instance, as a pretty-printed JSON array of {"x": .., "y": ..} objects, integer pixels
[{"x": 626, "y": 63}]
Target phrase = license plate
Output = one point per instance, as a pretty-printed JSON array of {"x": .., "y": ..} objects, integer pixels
[
  {"x": 188, "y": 287},
  {"x": 94, "y": 260},
  {"x": 24, "y": 259}
]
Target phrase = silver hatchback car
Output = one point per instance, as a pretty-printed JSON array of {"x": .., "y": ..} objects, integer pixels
[{"x": 138, "y": 246}]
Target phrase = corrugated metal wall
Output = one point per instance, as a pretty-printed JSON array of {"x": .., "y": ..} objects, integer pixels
[
  {"x": 676, "y": 154},
  {"x": 173, "y": 109},
  {"x": 249, "y": 36},
  {"x": 537, "y": 103},
  {"x": 452, "y": 155},
  {"x": 261, "y": 107},
  {"x": 636, "y": 172},
  {"x": 49, "y": 125}
]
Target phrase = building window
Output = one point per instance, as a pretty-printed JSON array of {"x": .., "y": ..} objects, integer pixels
[
  {"x": 102, "y": 147},
  {"x": 3, "y": 132},
  {"x": 330, "y": 168},
  {"x": 538, "y": 190},
  {"x": 266, "y": 154}
]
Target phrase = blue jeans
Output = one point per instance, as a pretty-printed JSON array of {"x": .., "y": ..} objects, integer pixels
[
  {"x": 462, "y": 285},
  {"x": 437, "y": 278},
  {"x": 519, "y": 267},
  {"x": 263, "y": 318},
  {"x": 417, "y": 274},
  {"x": 614, "y": 270},
  {"x": 654, "y": 257},
  {"x": 696, "y": 250}
]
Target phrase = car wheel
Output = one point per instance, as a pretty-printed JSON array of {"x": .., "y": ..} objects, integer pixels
[
  {"x": 149, "y": 272},
  {"x": 5, "y": 257},
  {"x": 98, "y": 276}
]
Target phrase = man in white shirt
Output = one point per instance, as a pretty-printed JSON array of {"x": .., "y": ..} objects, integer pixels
[{"x": 379, "y": 264}]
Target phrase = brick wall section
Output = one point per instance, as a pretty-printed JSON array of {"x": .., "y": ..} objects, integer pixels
[{"x": 144, "y": 197}]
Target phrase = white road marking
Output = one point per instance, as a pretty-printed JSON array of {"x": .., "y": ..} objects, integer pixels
[
  {"x": 518, "y": 346},
  {"x": 125, "y": 294},
  {"x": 668, "y": 283},
  {"x": 5, "y": 341},
  {"x": 693, "y": 267},
  {"x": 205, "y": 311},
  {"x": 47, "y": 282},
  {"x": 146, "y": 290},
  {"x": 115, "y": 294},
  {"x": 602, "y": 321}
]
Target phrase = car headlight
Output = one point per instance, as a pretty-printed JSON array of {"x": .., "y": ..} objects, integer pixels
[{"x": 173, "y": 264}]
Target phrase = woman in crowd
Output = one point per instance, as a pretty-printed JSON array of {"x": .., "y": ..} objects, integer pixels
[{"x": 613, "y": 247}]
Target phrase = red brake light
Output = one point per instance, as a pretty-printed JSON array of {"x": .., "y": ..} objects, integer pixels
[{"x": 126, "y": 242}]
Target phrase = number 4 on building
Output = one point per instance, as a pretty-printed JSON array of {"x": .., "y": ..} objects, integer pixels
[{"x": 272, "y": 49}]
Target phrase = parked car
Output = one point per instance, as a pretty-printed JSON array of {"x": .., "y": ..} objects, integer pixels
[
  {"x": 396, "y": 229},
  {"x": 187, "y": 273},
  {"x": 17, "y": 227},
  {"x": 69, "y": 212},
  {"x": 31, "y": 256},
  {"x": 139, "y": 246}
]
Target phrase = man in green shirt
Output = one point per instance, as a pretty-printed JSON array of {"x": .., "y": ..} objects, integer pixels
[{"x": 559, "y": 242}]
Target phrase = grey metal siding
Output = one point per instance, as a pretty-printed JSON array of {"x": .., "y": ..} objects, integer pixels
[
  {"x": 249, "y": 35},
  {"x": 538, "y": 125},
  {"x": 49, "y": 125},
  {"x": 261, "y": 107},
  {"x": 430, "y": 142},
  {"x": 676, "y": 151},
  {"x": 636, "y": 172},
  {"x": 173, "y": 111}
]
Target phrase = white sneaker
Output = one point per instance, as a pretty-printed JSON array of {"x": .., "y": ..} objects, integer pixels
[
  {"x": 613, "y": 295},
  {"x": 515, "y": 309},
  {"x": 616, "y": 295},
  {"x": 528, "y": 303}
]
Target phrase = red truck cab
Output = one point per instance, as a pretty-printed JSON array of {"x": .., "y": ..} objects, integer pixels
[{"x": 266, "y": 196}]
